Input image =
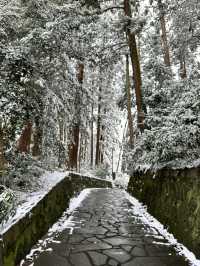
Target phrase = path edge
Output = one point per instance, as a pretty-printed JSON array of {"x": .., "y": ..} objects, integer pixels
[{"x": 21, "y": 236}]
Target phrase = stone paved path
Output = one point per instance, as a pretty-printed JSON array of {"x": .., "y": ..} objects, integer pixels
[{"x": 107, "y": 232}]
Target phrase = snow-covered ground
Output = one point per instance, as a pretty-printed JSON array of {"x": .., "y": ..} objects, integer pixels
[
  {"x": 28, "y": 200},
  {"x": 48, "y": 180},
  {"x": 141, "y": 210},
  {"x": 121, "y": 180},
  {"x": 137, "y": 208},
  {"x": 91, "y": 173},
  {"x": 61, "y": 225}
]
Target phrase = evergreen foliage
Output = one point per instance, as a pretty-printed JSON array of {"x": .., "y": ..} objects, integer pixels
[{"x": 62, "y": 81}]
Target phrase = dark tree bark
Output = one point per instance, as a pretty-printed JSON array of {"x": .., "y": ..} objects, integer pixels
[
  {"x": 92, "y": 137},
  {"x": 97, "y": 160},
  {"x": 80, "y": 152},
  {"x": 101, "y": 151},
  {"x": 164, "y": 34},
  {"x": 183, "y": 70},
  {"x": 25, "y": 138},
  {"x": 85, "y": 147},
  {"x": 2, "y": 157},
  {"x": 73, "y": 148},
  {"x": 75, "y": 132},
  {"x": 135, "y": 66},
  {"x": 122, "y": 146},
  {"x": 37, "y": 138},
  {"x": 128, "y": 92}
]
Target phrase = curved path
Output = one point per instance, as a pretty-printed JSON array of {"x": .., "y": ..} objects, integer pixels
[{"x": 103, "y": 231}]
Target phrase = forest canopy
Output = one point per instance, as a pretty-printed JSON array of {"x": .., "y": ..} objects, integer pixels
[{"x": 71, "y": 71}]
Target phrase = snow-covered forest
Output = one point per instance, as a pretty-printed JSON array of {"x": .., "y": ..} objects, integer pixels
[{"x": 81, "y": 80}]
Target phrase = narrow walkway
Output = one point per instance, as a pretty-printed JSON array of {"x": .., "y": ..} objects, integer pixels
[{"x": 105, "y": 231}]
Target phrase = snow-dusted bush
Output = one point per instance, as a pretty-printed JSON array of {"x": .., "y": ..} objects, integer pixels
[
  {"x": 172, "y": 134},
  {"x": 101, "y": 171},
  {"x": 23, "y": 172},
  {"x": 121, "y": 180},
  {"x": 6, "y": 202},
  {"x": 171, "y": 137}
]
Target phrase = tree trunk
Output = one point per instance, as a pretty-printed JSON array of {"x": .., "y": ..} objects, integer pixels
[
  {"x": 135, "y": 66},
  {"x": 25, "y": 139},
  {"x": 85, "y": 148},
  {"x": 2, "y": 157},
  {"x": 74, "y": 145},
  {"x": 164, "y": 35},
  {"x": 61, "y": 130},
  {"x": 98, "y": 131},
  {"x": 101, "y": 146},
  {"x": 128, "y": 91},
  {"x": 92, "y": 138},
  {"x": 80, "y": 152},
  {"x": 183, "y": 70},
  {"x": 102, "y": 139},
  {"x": 73, "y": 148},
  {"x": 121, "y": 147},
  {"x": 37, "y": 138},
  {"x": 80, "y": 73}
]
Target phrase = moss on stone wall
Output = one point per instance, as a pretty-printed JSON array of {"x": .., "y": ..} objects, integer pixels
[
  {"x": 172, "y": 196},
  {"x": 19, "y": 239}
]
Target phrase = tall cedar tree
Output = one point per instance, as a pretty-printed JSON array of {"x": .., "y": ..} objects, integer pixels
[
  {"x": 135, "y": 65},
  {"x": 74, "y": 145}
]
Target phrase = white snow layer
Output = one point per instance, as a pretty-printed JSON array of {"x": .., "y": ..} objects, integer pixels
[
  {"x": 144, "y": 216},
  {"x": 48, "y": 180},
  {"x": 121, "y": 180},
  {"x": 137, "y": 208},
  {"x": 62, "y": 224},
  {"x": 76, "y": 201}
]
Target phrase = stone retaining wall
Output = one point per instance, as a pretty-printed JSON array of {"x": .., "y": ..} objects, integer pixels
[
  {"x": 173, "y": 197},
  {"x": 18, "y": 240}
]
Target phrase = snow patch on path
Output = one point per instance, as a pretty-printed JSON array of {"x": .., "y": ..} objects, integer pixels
[
  {"x": 62, "y": 224},
  {"x": 144, "y": 216},
  {"x": 76, "y": 201}
]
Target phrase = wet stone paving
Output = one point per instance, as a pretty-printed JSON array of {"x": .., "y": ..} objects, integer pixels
[{"x": 105, "y": 231}]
